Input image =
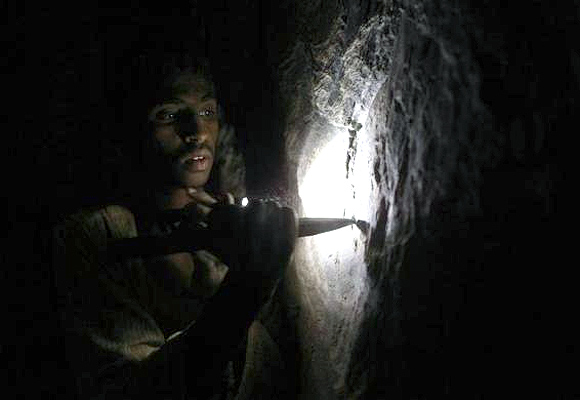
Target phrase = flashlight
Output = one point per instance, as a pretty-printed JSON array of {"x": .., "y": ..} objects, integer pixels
[
  {"x": 315, "y": 226},
  {"x": 152, "y": 246}
]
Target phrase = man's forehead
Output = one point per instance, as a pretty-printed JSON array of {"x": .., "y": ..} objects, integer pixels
[
  {"x": 191, "y": 83},
  {"x": 185, "y": 98}
]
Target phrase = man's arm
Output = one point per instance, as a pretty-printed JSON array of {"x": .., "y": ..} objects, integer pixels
[{"x": 257, "y": 243}]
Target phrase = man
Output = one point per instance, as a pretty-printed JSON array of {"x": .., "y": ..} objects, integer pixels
[{"x": 157, "y": 296}]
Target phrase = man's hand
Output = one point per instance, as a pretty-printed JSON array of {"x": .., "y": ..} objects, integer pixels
[
  {"x": 256, "y": 241},
  {"x": 202, "y": 203}
]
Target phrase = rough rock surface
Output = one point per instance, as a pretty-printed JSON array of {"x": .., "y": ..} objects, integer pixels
[{"x": 441, "y": 117}]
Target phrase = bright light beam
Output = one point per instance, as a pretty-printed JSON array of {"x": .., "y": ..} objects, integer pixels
[
  {"x": 324, "y": 187},
  {"x": 326, "y": 192}
]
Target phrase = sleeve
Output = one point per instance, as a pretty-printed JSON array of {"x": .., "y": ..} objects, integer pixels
[
  {"x": 271, "y": 366},
  {"x": 106, "y": 326},
  {"x": 119, "y": 350},
  {"x": 263, "y": 366}
]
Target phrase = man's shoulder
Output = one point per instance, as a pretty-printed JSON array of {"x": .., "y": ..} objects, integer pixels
[
  {"x": 118, "y": 220},
  {"x": 96, "y": 212}
]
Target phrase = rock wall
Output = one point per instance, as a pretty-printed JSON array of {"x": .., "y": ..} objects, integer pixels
[{"x": 436, "y": 122}]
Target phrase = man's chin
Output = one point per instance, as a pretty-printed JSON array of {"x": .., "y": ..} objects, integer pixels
[
  {"x": 190, "y": 176},
  {"x": 194, "y": 179}
]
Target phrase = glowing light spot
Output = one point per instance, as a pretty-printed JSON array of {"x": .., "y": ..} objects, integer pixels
[
  {"x": 324, "y": 187},
  {"x": 325, "y": 190},
  {"x": 244, "y": 201}
]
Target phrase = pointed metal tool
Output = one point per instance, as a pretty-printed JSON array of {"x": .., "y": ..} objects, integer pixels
[
  {"x": 152, "y": 246},
  {"x": 315, "y": 226}
]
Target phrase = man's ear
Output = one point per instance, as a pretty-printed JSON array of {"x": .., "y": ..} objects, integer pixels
[
  {"x": 229, "y": 167},
  {"x": 221, "y": 115}
]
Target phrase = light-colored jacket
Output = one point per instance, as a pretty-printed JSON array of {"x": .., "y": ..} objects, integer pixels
[{"x": 112, "y": 309}]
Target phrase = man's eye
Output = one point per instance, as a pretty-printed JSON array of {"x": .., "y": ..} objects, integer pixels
[
  {"x": 165, "y": 116},
  {"x": 208, "y": 112}
]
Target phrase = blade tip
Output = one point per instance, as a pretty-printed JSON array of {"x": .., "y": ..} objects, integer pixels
[{"x": 363, "y": 226}]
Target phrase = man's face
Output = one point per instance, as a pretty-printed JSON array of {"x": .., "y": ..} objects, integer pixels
[{"x": 185, "y": 128}]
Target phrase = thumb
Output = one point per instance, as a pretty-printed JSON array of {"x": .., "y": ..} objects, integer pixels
[{"x": 203, "y": 201}]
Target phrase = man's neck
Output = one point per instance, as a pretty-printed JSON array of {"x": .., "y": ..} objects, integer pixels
[{"x": 173, "y": 198}]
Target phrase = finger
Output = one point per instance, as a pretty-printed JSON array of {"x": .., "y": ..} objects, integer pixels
[
  {"x": 290, "y": 222},
  {"x": 257, "y": 228},
  {"x": 203, "y": 209},
  {"x": 202, "y": 201},
  {"x": 227, "y": 227},
  {"x": 226, "y": 198},
  {"x": 195, "y": 212},
  {"x": 291, "y": 229},
  {"x": 277, "y": 235},
  {"x": 201, "y": 197}
]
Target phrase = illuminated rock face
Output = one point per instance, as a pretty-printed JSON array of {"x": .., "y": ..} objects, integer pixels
[{"x": 414, "y": 117}]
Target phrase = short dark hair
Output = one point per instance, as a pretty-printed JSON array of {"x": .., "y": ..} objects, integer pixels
[{"x": 153, "y": 75}]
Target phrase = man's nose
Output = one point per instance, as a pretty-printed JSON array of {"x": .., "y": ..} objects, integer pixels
[{"x": 188, "y": 128}]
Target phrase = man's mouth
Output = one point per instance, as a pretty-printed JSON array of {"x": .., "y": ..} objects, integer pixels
[{"x": 197, "y": 161}]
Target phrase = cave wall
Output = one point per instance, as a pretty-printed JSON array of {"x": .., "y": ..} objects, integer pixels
[{"x": 442, "y": 120}]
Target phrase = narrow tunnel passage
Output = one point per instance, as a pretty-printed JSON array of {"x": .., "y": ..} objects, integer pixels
[{"x": 438, "y": 123}]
